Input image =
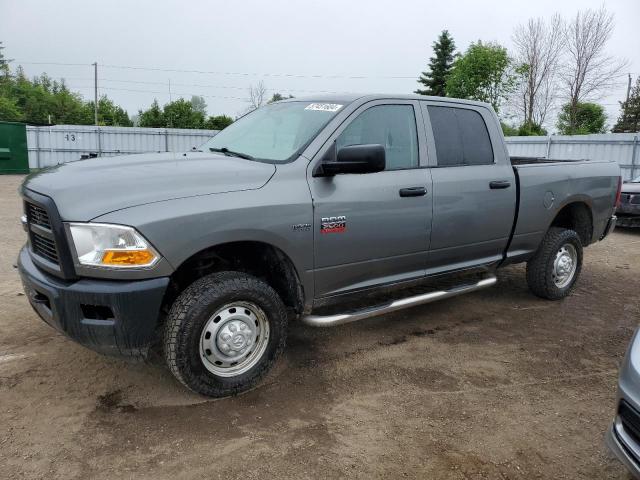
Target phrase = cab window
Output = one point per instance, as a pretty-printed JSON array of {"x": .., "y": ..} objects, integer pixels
[
  {"x": 393, "y": 127},
  {"x": 461, "y": 137}
]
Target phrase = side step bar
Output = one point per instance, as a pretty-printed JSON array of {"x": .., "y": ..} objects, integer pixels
[{"x": 340, "y": 318}]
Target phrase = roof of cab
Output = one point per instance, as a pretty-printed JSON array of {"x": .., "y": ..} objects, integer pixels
[{"x": 346, "y": 98}]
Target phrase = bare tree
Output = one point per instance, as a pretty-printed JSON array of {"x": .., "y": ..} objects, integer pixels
[
  {"x": 257, "y": 96},
  {"x": 589, "y": 71},
  {"x": 539, "y": 46}
]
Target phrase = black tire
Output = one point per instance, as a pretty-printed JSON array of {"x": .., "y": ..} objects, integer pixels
[
  {"x": 540, "y": 267},
  {"x": 192, "y": 311}
]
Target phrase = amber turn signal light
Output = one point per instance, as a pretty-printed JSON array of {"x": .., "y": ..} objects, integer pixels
[{"x": 127, "y": 257}]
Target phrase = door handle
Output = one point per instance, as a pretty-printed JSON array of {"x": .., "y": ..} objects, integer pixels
[
  {"x": 413, "y": 192},
  {"x": 496, "y": 184}
]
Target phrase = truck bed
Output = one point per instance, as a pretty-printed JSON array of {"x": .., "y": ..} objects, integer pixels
[{"x": 545, "y": 186}]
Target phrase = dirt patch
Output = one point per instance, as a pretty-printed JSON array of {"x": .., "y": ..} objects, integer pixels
[{"x": 496, "y": 384}]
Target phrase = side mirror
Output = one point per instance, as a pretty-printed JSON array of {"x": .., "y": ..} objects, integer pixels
[{"x": 353, "y": 159}]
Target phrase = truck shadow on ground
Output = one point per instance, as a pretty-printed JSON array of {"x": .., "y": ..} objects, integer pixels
[{"x": 312, "y": 355}]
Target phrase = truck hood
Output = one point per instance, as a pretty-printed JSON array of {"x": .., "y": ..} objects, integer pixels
[
  {"x": 631, "y": 187},
  {"x": 85, "y": 189}
]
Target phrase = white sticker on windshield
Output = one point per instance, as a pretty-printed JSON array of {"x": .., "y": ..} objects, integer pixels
[{"x": 324, "y": 107}]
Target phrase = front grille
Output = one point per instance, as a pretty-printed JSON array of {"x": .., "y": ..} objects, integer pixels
[
  {"x": 38, "y": 216},
  {"x": 41, "y": 234},
  {"x": 630, "y": 419},
  {"x": 44, "y": 247},
  {"x": 635, "y": 199}
]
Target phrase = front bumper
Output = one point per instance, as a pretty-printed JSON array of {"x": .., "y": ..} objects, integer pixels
[
  {"x": 623, "y": 437},
  {"x": 111, "y": 317},
  {"x": 622, "y": 453},
  {"x": 628, "y": 209},
  {"x": 629, "y": 213}
]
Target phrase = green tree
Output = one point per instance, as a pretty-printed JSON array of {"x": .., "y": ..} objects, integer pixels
[
  {"x": 68, "y": 108},
  {"x": 508, "y": 130},
  {"x": 629, "y": 119},
  {"x": 3, "y": 60},
  {"x": 581, "y": 119},
  {"x": 531, "y": 129},
  {"x": 180, "y": 114},
  {"x": 109, "y": 113},
  {"x": 4, "y": 63},
  {"x": 153, "y": 117},
  {"x": 277, "y": 97},
  {"x": 199, "y": 105},
  {"x": 483, "y": 73},
  {"x": 9, "y": 111},
  {"x": 218, "y": 122},
  {"x": 435, "y": 79}
]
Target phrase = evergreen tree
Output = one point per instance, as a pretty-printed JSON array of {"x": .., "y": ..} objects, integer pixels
[
  {"x": 629, "y": 119},
  {"x": 440, "y": 64}
]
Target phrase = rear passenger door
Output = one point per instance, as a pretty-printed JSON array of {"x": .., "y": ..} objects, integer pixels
[{"x": 474, "y": 191}]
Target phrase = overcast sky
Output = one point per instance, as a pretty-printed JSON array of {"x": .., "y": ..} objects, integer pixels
[{"x": 294, "y": 47}]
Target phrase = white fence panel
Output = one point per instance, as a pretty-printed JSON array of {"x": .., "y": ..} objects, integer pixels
[
  {"x": 624, "y": 148},
  {"x": 63, "y": 143},
  {"x": 57, "y": 144}
]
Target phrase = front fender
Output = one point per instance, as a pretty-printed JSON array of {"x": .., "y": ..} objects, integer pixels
[{"x": 183, "y": 227}]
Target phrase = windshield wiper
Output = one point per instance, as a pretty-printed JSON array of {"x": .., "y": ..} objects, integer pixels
[{"x": 231, "y": 153}]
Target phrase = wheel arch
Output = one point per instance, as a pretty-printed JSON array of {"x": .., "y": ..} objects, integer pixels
[
  {"x": 576, "y": 214},
  {"x": 257, "y": 258}
]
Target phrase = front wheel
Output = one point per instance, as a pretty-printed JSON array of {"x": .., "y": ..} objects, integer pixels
[
  {"x": 554, "y": 269},
  {"x": 224, "y": 333}
]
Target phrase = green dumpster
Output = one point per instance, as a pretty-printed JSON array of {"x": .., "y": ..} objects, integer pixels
[{"x": 14, "y": 156}]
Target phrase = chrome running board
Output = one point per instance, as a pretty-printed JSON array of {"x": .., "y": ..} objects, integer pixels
[{"x": 340, "y": 318}]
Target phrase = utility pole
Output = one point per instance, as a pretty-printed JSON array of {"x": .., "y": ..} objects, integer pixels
[
  {"x": 95, "y": 92},
  {"x": 628, "y": 89},
  {"x": 170, "y": 102}
]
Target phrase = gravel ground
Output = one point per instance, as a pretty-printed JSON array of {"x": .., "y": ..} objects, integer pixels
[{"x": 495, "y": 384}]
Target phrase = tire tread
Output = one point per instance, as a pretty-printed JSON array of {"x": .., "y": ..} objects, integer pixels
[
  {"x": 538, "y": 274},
  {"x": 195, "y": 298}
]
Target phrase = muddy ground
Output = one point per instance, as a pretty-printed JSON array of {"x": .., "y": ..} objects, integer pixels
[{"x": 495, "y": 384}]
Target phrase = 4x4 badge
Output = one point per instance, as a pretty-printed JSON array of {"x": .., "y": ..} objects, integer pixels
[
  {"x": 333, "y": 224},
  {"x": 301, "y": 227}
]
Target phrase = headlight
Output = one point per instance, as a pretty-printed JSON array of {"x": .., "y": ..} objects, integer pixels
[{"x": 105, "y": 245}]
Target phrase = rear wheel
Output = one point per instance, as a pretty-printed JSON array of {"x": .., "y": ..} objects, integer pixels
[
  {"x": 224, "y": 333},
  {"x": 553, "y": 271}
]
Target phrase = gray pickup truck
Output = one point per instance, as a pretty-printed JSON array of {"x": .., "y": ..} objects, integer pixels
[{"x": 307, "y": 209}]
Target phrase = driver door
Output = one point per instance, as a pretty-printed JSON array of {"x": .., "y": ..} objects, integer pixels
[{"x": 373, "y": 229}]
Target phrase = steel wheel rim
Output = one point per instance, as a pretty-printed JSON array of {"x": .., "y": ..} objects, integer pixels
[
  {"x": 565, "y": 265},
  {"x": 234, "y": 339}
]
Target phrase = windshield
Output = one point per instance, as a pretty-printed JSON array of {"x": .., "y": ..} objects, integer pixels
[
  {"x": 636, "y": 180},
  {"x": 274, "y": 132}
]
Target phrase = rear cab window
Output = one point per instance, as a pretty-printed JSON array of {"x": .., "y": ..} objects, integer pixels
[{"x": 461, "y": 136}]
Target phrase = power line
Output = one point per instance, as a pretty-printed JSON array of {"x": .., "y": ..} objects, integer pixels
[
  {"x": 256, "y": 74},
  {"x": 157, "y": 91},
  {"x": 140, "y": 82},
  {"x": 55, "y": 63},
  {"x": 207, "y": 72}
]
